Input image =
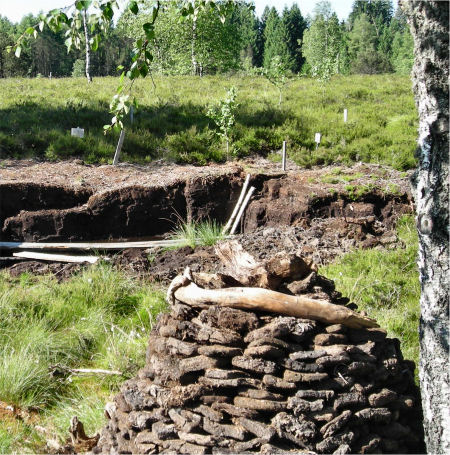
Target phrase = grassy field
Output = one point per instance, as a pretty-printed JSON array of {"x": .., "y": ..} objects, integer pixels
[
  {"x": 171, "y": 123},
  {"x": 98, "y": 319}
]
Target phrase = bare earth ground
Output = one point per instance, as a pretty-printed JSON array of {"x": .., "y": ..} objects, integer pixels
[
  {"x": 320, "y": 238},
  {"x": 107, "y": 177}
]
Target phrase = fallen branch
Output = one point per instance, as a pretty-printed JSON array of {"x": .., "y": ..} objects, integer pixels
[
  {"x": 89, "y": 245},
  {"x": 271, "y": 301}
]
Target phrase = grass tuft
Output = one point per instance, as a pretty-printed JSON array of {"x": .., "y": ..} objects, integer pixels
[
  {"x": 99, "y": 318},
  {"x": 204, "y": 233}
]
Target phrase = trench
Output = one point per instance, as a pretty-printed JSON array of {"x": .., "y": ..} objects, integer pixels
[{"x": 43, "y": 213}]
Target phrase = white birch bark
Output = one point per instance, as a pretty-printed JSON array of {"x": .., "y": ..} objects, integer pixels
[
  {"x": 88, "y": 48},
  {"x": 429, "y": 22}
]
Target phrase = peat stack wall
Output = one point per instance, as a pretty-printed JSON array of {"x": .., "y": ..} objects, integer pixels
[{"x": 223, "y": 380}]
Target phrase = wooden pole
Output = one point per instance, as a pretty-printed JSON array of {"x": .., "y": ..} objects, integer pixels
[
  {"x": 119, "y": 147},
  {"x": 238, "y": 204},
  {"x": 56, "y": 257},
  {"x": 283, "y": 157},
  {"x": 241, "y": 211}
]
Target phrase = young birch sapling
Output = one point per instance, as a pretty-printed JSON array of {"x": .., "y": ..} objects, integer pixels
[
  {"x": 276, "y": 74},
  {"x": 223, "y": 115}
]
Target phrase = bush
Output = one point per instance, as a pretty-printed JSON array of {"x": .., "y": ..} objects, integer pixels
[{"x": 79, "y": 68}]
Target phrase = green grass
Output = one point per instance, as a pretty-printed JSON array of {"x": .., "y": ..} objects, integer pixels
[
  {"x": 171, "y": 122},
  {"x": 98, "y": 319},
  {"x": 204, "y": 233},
  {"x": 385, "y": 284}
]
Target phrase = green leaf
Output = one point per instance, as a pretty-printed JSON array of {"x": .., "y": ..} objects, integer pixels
[
  {"x": 82, "y": 4},
  {"x": 18, "y": 51},
  {"x": 95, "y": 42},
  {"x": 155, "y": 12},
  {"x": 149, "y": 30},
  {"x": 133, "y": 7},
  {"x": 148, "y": 56},
  {"x": 29, "y": 31},
  {"x": 41, "y": 25},
  {"x": 143, "y": 70}
]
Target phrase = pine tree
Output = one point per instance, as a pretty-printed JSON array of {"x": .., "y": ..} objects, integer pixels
[{"x": 362, "y": 47}]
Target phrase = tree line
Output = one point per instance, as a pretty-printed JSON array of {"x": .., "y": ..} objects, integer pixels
[{"x": 372, "y": 40}]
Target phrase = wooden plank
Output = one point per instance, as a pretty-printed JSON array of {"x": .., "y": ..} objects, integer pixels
[
  {"x": 56, "y": 257},
  {"x": 88, "y": 245}
]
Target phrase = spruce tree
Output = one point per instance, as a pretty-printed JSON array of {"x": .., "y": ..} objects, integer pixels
[
  {"x": 275, "y": 40},
  {"x": 295, "y": 26}
]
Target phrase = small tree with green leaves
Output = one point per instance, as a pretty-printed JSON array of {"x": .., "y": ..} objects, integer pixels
[
  {"x": 276, "y": 74},
  {"x": 223, "y": 115}
]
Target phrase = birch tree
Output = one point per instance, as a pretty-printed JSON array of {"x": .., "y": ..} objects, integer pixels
[{"x": 429, "y": 22}]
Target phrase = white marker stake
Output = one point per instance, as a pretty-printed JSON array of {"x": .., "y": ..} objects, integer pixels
[
  {"x": 317, "y": 139},
  {"x": 283, "y": 157},
  {"x": 77, "y": 132},
  {"x": 119, "y": 147},
  {"x": 345, "y": 115}
]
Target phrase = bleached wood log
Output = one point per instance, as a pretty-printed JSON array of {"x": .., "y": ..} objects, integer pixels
[
  {"x": 271, "y": 301},
  {"x": 56, "y": 257},
  {"x": 94, "y": 371}
]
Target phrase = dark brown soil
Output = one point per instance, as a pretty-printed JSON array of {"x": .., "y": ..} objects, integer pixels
[{"x": 319, "y": 213}]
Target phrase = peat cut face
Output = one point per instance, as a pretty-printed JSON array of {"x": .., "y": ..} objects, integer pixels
[
  {"x": 132, "y": 211},
  {"x": 15, "y": 197},
  {"x": 32, "y": 212}
]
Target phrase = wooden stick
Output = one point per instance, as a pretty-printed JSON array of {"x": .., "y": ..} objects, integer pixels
[
  {"x": 94, "y": 371},
  {"x": 238, "y": 204},
  {"x": 119, "y": 147},
  {"x": 241, "y": 210},
  {"x": 283, "y": 157},
  {"x": 56, "y": 257},
  {"x": 273, "y": 302}
]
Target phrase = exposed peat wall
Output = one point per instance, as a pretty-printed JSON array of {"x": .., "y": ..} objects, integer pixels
[{"x": 32, "y": 212}]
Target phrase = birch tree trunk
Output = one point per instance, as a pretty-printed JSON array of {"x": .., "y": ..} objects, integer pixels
[
  {"x": 193, "y": 46},
  {"x": 429, "y": 23},
  {"x": 88, "y": 48}
]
